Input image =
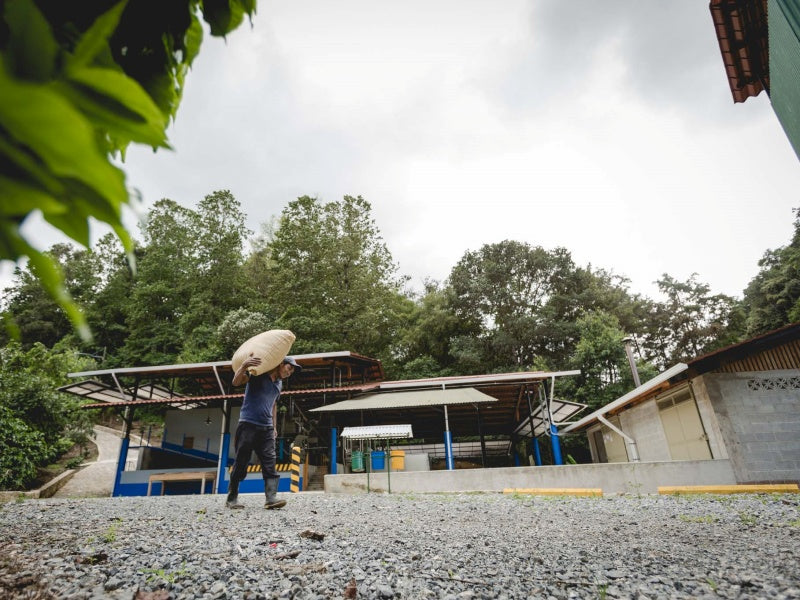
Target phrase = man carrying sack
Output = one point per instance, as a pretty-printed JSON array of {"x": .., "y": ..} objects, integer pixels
[{"x": 256, "y": 428}]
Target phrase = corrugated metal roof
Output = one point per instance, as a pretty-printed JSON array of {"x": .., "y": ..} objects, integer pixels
[
  {"x": 377, "y": 432},
  {"x": 409, "y": 400},
  {"x": 475, "y": 379},
  {"x": 560, "y": 411},
  {"x": 175, "y": 400}
]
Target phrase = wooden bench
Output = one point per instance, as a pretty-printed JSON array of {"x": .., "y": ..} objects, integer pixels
[{"x": 200, "y": 476}]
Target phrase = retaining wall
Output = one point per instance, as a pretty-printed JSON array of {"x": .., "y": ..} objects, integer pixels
[
  {"x": 46, "y": 491},
  {"x": 612, "y": 478}
]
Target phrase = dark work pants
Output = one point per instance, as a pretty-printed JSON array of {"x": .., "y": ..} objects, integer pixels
[{"x": 253, "y": 438}]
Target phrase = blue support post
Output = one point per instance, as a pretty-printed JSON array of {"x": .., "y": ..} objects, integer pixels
[
  {"x": 222, "y": 464},
  {"x": 123, "y": 456},
  {"x": 281, "y": 444},
  {"x": 556, "y": 445},
  {"x": 333, "y": 450},
  {"x": 537, "y": 453},
  {"x": 448, "y": 451}
]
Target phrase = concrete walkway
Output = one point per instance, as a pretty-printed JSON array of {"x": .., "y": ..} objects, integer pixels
[{"x": 96, "y": 479}]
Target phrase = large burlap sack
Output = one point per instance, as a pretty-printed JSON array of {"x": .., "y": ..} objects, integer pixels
[{"x": 271, "y": 347}]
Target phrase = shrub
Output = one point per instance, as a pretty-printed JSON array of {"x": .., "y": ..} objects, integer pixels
[{"x": 22, "y": 449}]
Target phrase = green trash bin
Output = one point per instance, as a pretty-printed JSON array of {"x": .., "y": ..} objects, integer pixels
[{"x": 357, "y": 461}]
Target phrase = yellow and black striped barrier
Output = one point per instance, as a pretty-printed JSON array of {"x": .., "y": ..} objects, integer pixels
[
  {"x": 257, "y": 468},
  {"x": 295, "y": 484}
]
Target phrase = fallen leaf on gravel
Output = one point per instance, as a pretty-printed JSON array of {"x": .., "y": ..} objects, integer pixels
[
  {"x": 350, "y": 590},
  {"x": 292, "y": 554},
  {"x": 314, "y": 535}
]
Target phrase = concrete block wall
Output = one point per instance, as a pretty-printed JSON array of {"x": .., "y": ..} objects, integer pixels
[
  {"x": 643, "y": 424},
  {"x": 759, "y": 417}
]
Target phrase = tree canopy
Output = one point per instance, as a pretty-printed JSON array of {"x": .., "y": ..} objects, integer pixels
[
  {"x": 81, "y": 81},
  {"x": 332, "y": 278},
  {"x": 772, "y": 298}
]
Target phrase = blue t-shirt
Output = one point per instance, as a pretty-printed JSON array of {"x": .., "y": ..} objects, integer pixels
[{"x": 260, "y": 396}]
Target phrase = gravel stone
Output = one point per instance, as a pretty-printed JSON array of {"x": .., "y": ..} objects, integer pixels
[{"x": 434, "y": 546}]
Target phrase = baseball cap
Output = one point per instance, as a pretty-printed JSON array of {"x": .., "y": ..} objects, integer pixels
[{"x": 289, "y": 360}]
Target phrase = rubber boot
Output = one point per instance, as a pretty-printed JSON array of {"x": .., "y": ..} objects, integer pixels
[
  {"x": 233, "y": 496},
  {"x": 271, "y": 490}
]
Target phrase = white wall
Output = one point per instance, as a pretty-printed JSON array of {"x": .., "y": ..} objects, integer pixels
[{"x": 192, "y": 423}]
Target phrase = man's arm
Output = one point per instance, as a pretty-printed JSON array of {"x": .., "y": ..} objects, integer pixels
[
  {"x": 275, "y": 419},
  {"x": 241, "y": 375}
]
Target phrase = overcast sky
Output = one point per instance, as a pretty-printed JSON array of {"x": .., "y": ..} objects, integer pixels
[{"x": 607, "y": 128}]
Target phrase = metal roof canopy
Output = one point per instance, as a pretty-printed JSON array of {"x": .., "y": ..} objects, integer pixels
[
  {"x": 488, "y": 379},
  {"x": 308, "y": 361},
  {"x": 410, "y": 400},
  {"x": 320, "y": 374},
  {"x": 377, "y": 432},
  {"x": 646, "y": 388},
  {"x": 560, "y": 411},
  {"x": 103, "y": 392},
  {"x": 204, "y": 400}
]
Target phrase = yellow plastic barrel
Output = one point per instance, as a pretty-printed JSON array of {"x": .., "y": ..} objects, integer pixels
[{"x": 398, "y": 458}]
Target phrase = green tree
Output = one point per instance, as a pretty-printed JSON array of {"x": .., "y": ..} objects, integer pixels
[
  {"x": 332, "y": 278},
  {"x": 238, "y": 326},
  {"x": 601, "y": 358},
  {"x": 21, "y": 451},
  {"x": 37, "y": 316},
  {"x": 37, "y": 423},
  {"x": 80, "y": 82},
  {"x": 503, "y": 289},
  {"x": 106, "y": 311},
  {"x": 218, "y": 284},
  {"x": 690, "y": 322},
  {"x": 161, "y": 292},
  {"x": 772, "y": 298},
  {"x": 426, "y": 348},
  {"x": 257, "y": 264},
  {"x": 523, "y": 302},
  {"x": 190, "y": 277}
]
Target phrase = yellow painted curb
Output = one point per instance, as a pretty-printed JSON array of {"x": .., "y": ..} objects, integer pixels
[
  {"x": 555, "y": 491},
  {"x": 730, "y": 489}
]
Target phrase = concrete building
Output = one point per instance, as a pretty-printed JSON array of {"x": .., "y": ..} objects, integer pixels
[{"x": 739, "y": 406}]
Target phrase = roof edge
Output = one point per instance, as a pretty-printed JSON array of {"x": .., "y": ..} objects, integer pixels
[{"x": 630, "y": 397}]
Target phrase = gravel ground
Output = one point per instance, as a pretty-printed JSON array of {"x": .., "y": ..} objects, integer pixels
[{"x": 403, "y": 546}]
